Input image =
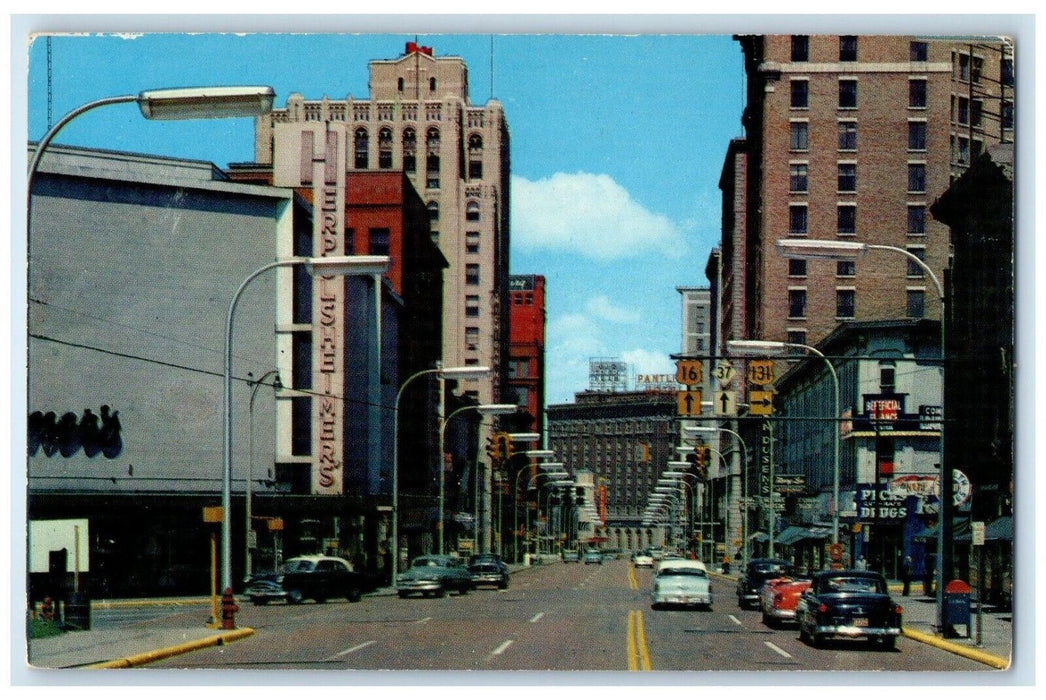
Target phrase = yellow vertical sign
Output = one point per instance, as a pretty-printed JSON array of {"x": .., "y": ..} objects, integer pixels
[{"x": 761, "y": 372}]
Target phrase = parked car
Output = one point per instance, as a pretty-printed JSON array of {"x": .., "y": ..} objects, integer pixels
[
  {"x": 779, "y": 598},
  {"x": 848, "y": 605},
  {"x": 571, "y": 555},
  {"x": 488, "y": 570},
  {"x": 316, "y": 577},
  {"x": 434, "y": 575},
  {"x": 757, "y": 572},
  {"x": 593, "y": 556},
  {"x": 681, "y": 582},
  {"x": 643, "y": 559}
]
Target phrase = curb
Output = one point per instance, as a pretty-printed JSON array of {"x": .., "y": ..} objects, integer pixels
[
  {"x": 972, "y": 654},
  {"x": 158, "y": 654}
]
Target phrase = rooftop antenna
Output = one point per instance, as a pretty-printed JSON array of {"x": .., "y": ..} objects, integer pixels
[
  {"x": 50, "y": 90},
  {"x": 492, "y": 66}
]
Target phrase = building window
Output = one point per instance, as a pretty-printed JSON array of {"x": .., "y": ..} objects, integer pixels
[
  {"x": 916, "y": 219},
  {"x": 378, "y": 239},
  {"x": 797, "y": 219},
  {"x": 518, "y": 368},
  {"x": 915, "y": 270},
  {"x": 361, "y": 141},
  {"x": 800, "y": 94},
  {"x": 918, "y": 51},
  {"x": 797, "y": 177},
  {"x": 472, "y": 274},
  {"x": 472, "y": 305},
  {"x": 432, "y": 85},
  {"x": 475, "y": 157},
  {"x": 399, "y": 84},
  {"x": 916, "y": 177},
  {"x": 848, "y": 48},
  {"x": 969, "y": 68},
  {"x": 796, "y": 268},
  {"x": 800, "y": 136},
  {"x": 917, "y": 93},
  {"x": 472, "y": 211},
  {"x": 847, "y": 94},
  {"x": 961, "y": 150},
  {"x": 385, "y": 148},
  {"x": 846, "y": 219},
  {"x": 916, "y": 136},
  {"x": 845, "y": 268},
  {"x": 796, "y": 303},
  {"x": 847, "y": 177},
  {"x": 1007, "y": 114},
  {"x": 432, "y": 162},
  {"x": 845, "y": 303},
  {"x": 796, "y": 336},
  {"x": 800, "y": 48},
  {"x": 847, "y": 136},
  {"x": 433, "y": 208},
  {"x": 887, "y": 377},
  {"x": 1006, "y": 72},
  {"x": 916, "y": 303},
  {"x": 471, "y": 337},
  {"x": 410, "y": 148},
  {"x": 472, "y": 241},
  {"x": 962, "y": 113}
]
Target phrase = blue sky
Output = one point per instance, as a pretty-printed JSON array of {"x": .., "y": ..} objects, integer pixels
[{"x": 617, "y": 143}]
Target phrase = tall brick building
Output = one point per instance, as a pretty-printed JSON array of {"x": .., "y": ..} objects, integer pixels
[{"x": 526, "y": 373}]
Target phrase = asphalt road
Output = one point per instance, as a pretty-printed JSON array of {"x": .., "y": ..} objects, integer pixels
[{"x": 559, "y": 617}]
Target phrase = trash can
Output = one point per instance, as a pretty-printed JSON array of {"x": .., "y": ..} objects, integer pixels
[
  {"x": 956, "y": 609},
  {"x": 78, "y": 612}
]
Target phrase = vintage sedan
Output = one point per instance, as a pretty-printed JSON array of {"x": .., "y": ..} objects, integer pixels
[
  {"x": 681, "y": 582},
  {"x": 434, "y": 575},
  {"x": 643, "y": 558},
  {"x": 593, "y": 556},
  {"x": 779, "y": 598},
  {"x": 316, "y": 577},
  {"x": 848, "y": 605},
  {"x": 488, "y": 570},
  {"x": 756, "y": 573}
]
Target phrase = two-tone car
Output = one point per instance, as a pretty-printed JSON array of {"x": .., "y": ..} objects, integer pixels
[
  {"x": 683, "y": 582},
  {"x": 779, "y": 599},
  {"x": 434, "y": 575},
  {"x": 848, "y": 604},
  {"x": 316, "y": 577},
  {"x": 756, "y": 573}
]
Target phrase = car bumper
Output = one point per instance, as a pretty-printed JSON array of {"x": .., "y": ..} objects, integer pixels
[
  {"x": 488, "y": 580},
  {"x": 853, "y": 632},
  {"x": 264, "y": 593},
  {"x": 418, "y": 586},
  {"x": 779, "y": 614},
  {"x": 682, "y": 598}
]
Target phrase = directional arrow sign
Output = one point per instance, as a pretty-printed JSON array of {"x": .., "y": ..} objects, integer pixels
[
  {"x": 761, "y": 403},
  {"x": 725, "y": 403},
  {"x": 688, "y": 403}
]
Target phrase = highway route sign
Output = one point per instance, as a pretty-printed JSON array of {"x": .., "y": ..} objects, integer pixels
[
  {"x": 725, "y": 403},
  {"x": 688, "y": 403},
  {"x": 724, "y": 372},
  {"x": 761, "y": 403},
  {"x": 761, "y": 372},
  {"x": 689, "y": 372}
]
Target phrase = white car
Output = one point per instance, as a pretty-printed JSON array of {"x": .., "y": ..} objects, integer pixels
[
  {"x": 681, "y": 582},
  {"x": 643, "y": 559}
]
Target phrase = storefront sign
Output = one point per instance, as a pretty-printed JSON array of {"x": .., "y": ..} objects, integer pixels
[{"x": 877, "y": 502}]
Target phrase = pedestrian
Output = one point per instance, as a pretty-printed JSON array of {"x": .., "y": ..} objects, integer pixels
[
  {"x": 906, "y": 575},
  {"x": 861, "y": 564}
]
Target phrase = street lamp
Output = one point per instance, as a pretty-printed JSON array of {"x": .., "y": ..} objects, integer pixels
[
  {"x": 852, "y": 250},
  {"x": 490, "y": 409},
  {"x": 328, "y": 266},
  {"x": 695, "y": 429},
  {"x": 554, "y": 470},
  {"x": 444, "y": 373},
  {"x": 276, "y": 385}
]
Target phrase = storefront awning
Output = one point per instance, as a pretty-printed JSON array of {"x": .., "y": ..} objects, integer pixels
[
  {"x": 759, "y": 537},
  {"x": 791, "y": 535},
  {"x": 999, "y": 530},
  {"x": 960, "y": 531}
]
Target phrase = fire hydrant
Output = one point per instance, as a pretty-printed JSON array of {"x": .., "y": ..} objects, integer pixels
[{"x": 229, "y": 610}]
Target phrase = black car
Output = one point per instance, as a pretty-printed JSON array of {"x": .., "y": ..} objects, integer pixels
[
  {"x": 317, "y": 577},
  {"x": 848, "y": 605},
  {"x": 488, "y": 570},
  {"x": 758, "y": 572}
]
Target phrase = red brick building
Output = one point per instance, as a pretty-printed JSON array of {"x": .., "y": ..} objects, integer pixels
[{"x": 526, "y": 372}]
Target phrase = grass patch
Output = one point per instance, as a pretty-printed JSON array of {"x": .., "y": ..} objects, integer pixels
[{"x": 38, "y": 629}]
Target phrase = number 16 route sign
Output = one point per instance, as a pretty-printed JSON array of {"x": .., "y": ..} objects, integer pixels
[{"x": 689, "y": 372}]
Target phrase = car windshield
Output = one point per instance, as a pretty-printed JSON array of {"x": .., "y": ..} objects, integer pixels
[
  {"x": 681, "y": 571},
  {"x": 297, "y": 565},
  {"x": 851, "y": 584},
  {"x": 427, "y": 561},
  {"x": 771, "y": 568}
]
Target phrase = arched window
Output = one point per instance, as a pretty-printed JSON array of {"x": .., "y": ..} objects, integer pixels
[
  {"x": 472, "y": 211},
  {"x": 410, "y": 149},
  {"x": 399, "y": 84},
  {"x": 362, "y": 141},
  {"x": 475, "y": 157},
  {"x": 385, "y": 147},
  {"x": 432, "y": 85},
  {"x": 432, "y": 158}
]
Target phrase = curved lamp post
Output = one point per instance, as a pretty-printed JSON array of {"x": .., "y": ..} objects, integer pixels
[
  {"x": 328, "y": 266},
  {"x": 852, "y": 250},
  {"x": 444, "y": 373},
  {"x": 744, "y": 472},
  {"x": 489, "y": 409},
  {"x": 552, "y": 471},
  {"x": 257, "y": 384}
]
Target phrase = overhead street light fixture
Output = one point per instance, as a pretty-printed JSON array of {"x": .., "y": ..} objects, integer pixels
[
  {"x": 809, "y": 249},
  {"x": 206, "y": 103}
]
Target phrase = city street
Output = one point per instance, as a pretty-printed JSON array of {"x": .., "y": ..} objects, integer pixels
[{"x": 559, "y": 617}]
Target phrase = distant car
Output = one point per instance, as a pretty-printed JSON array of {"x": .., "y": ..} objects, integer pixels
[
  {"x": 643, "y": 559},
  {"x": 681, "y": 582},
  {"x": 593, "y": 556},
  {"x": 316, "y": 577},
  {"x": 571, "y": 555},
  {"x": 488, "y": 570},
  {"x": 434, "y": 575},
  {"x": 848, "y": 605},
  {"x": 756, "y": 573},
  {"x": 779, "y": 598}
]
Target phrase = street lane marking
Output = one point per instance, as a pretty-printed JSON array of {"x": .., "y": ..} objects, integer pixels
[
  {"x": 638, "y": 654},
  {"x": 633, "y": 582},
  {"x": 736, "y": 621},
  {"x": 778, "y": 649},
  {"x": 504, "y": 645},
  {"x": 537, "y": 617},
  {"x": 423, "y": 620},
  {"x": 354, "y": 649}
]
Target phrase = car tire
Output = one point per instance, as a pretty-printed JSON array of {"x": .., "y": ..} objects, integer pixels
[
  {"x": 354, "y": 595},
  {"x": 889, "y": 643},
  {"x": 440, "y": 593},
  {"x": 259, "y": 600},
  {"x": 767, "y": 620},
  {"x": 403, "y": 594},
  {"x": 502, "y": 585},
  {"x": 294, "y": 597}
]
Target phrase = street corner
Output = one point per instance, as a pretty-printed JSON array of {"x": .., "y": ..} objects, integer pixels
[
  {"x": 135, "y": 660},
  {"x": 996, "y": 662}
]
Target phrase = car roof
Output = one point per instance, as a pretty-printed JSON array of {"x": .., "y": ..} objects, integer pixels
[{"x": 681, "y": 564}]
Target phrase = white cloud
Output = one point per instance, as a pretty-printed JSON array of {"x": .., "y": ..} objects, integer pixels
[
  {"x": 601, "y": 307},
  {"x": 644, "y": 361},
  {"x": 591, "y": 215}
]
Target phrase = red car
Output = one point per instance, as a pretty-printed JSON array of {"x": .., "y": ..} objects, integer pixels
[{"x": 779, "y": 598}]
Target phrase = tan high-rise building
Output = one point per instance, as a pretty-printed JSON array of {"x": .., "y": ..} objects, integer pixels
[
  {"x": 852, "y": 138},
  {"x": 418, "y": 119}
]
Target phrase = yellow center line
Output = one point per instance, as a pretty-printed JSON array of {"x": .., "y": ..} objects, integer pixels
[
  {"x": 638, "y": 654},
  {"x": 633, "y": 582},
  {"x": 641, "y": 641}
]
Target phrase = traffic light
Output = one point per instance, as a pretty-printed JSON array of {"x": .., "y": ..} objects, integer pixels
[
  {"x": 508, "y": 449},
  {"x": 66, "y": 436},
  {"x": 493, "y": 446},
  {"x": 579, "y": 496},
  {"x": 699, "y": 452}
]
